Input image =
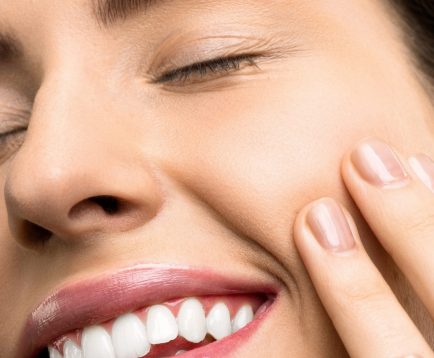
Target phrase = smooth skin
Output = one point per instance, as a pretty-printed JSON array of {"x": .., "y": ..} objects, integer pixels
[{"x": 216, "y": 168}]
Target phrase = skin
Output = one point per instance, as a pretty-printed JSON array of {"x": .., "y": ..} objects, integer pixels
[{"x": 211, "y": 170}]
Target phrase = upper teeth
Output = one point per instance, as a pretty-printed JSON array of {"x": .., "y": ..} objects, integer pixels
[
  {"x": 132, "y": 337},
  {"x": 243, "y": 316},
  {"x": 161, "y": 325},
  {"x": 191, "y": 321},
  {"x": 219, "y": 321}
]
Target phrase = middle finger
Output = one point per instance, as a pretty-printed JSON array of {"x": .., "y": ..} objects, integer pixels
[{"x": 398, "y": 206}]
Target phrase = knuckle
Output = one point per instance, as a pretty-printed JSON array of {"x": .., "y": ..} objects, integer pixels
[
  {"x": 369, "y": 297},
  {"x": 366, "y": 292},
  {"x": 421, "y": 224},
  {"x": 414, "y": 216}
]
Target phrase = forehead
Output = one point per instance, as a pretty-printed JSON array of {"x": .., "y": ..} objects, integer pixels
[{"x": 329, "y": 20}]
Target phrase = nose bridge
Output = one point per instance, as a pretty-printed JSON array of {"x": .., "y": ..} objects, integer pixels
[
  {"x": 71, "y": 129},
  {"x": 74, "y": 176}
]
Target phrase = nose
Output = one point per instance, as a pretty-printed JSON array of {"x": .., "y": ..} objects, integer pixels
[{"x": 78, "y": 174}]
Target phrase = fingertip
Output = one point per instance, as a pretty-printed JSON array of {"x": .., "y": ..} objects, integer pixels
[{"x": 327, "y": 224}]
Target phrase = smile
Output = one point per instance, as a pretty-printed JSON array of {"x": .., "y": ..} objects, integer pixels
[{"x": 148, "y": 311}]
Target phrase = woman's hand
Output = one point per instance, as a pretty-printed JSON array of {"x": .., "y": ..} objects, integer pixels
[{"x": 396, "y": 198}]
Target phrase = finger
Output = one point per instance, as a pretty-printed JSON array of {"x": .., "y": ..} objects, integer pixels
[
  {"x": 366, "y": 314},
  {"x": 398, "y": 207}
]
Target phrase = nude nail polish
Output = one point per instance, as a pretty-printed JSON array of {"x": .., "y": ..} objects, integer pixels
[
  {"x": 423, "y": 167},
  {"x": 378, "y": 164},
  {"x": 329, "y": 225}
]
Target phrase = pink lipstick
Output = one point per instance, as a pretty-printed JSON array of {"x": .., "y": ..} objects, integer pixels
[{"x": 100, "y": 299}]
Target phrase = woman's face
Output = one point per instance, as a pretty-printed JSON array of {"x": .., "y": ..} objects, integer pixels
[{"x": 132, "y": 159}]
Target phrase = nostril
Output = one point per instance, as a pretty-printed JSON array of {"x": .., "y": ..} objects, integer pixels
[
  {"x": 44, "y": 354},
  {"x": 108, "y": 203},
  {"x": 38, "y": 234}
]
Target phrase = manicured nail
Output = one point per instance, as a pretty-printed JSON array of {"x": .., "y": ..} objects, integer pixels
[
  {"x": 423, "y": 167},
  {"x": 329, "y": 226},
  {"x": 378, "y": 164}
]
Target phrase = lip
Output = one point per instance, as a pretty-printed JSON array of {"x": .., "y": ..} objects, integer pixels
[{"x": 98, "y": 299}]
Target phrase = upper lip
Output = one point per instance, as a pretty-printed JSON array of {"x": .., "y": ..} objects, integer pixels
[{"x": 98, "y": 299}]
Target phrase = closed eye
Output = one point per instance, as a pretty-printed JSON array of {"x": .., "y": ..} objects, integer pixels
[
  {"x": 207, "y": 69},
  {"x": 13, "y": 126}
]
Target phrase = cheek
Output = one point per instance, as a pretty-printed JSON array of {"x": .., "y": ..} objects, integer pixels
[
  {"x": 12, "y": 271},
  {"x": 267, "y": 150}
]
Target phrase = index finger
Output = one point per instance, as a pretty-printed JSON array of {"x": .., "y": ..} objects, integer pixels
[{"x": 362, "y": 307}]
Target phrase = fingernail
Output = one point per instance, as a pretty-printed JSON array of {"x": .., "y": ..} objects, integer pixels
[
  {"x": 423, "y": 167},
  {"x": 329, "y": 225},
  {"x": 378, "y": 164}
]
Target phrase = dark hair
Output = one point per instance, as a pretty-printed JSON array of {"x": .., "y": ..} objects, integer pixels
[{"x": 418, "y": 22}]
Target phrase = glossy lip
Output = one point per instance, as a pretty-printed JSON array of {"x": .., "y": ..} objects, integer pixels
[{"x": 98, "y": 299}]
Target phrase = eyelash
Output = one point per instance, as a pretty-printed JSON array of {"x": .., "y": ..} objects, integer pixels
[
  {"x": 12, "y": 132},
  {"x": 218, "y": 66},
  {"x": 13, "y": 126},
  {"x": 6, "y": 136},
  {"x": 10, "y": 142}
]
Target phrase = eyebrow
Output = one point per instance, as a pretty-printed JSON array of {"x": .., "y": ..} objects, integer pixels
[{"x": 108, "y": 12}]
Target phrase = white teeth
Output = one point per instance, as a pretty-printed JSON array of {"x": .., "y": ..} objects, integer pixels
[
  {"x": 161, "y": 325},
  {"x": 243, "y": 317},
  {"x": 218, "y": 321},
  {"x": 129, "y": 337},
  {"x": 71, "y": 350},
  {"x": 54, "y": 353},
  {"x": 191, "y": 321},
  {"x": 96, "y": 343}
]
